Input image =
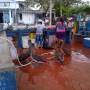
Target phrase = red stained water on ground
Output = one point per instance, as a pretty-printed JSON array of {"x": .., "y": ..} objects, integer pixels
[{"x": 73, "y": 75}]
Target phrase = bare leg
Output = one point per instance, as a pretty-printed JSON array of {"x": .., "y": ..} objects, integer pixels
[{"x": 59, "y": 53}]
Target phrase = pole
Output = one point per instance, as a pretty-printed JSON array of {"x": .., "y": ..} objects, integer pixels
[
  {"x": 61, "y": 7},
  {"x": 15, "y": 12},
  {"x": 50, "y": 13}
]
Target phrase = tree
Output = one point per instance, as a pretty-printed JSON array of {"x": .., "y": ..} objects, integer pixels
[
  {"x": 46, "y": 3},
  {"x": 67, "y": 6}
]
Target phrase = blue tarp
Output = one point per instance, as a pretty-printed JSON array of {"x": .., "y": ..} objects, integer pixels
[{"x": 8, "y": 80}]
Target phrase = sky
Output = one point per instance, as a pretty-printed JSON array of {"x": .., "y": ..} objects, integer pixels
[{"x": 85, "y": 0}]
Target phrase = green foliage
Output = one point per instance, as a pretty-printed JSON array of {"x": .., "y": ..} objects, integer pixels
[
  {"x": 69, "y": 10},
  {"x": 87, "y": 10},
  {"x": 45, "y": 4},
  {"x": 65, "y": 9},
  {"x": 67, "y": 6},
  {"x": 81, "y": 9}
]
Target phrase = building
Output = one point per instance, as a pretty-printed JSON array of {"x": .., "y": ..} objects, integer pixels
[
  {"x": 14, "y": 11},
  {"x": 8, "y": 10},
  {"x": 28, "y": 16}
]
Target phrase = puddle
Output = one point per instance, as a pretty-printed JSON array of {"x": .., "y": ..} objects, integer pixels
[{"x": 76, "y": 56}]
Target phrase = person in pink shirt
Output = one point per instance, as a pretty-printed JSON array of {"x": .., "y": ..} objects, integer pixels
[{"x": 60, "y": 35}]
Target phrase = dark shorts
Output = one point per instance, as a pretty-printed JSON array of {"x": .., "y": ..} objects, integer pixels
[{"x": 60, "y": 35}]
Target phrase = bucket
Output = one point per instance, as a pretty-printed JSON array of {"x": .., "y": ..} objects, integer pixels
[{"x": 32, "y": 37}]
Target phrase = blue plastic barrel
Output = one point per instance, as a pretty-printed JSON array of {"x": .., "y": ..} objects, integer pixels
[
  {"x": 88, "y": 25},
  {"x": 87, "y": 42},
  {"x": 11, "y": 33},
  {"x": 8, "y": 80},
  {"x": 23, "y": 33},
  {"x": 48, "y": 36},
  {"x": 51, "y": 30},
  {"x": 68, "y": 35}
]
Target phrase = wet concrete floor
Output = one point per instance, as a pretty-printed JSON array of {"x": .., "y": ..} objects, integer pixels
[{"x": 51, "y": 75}]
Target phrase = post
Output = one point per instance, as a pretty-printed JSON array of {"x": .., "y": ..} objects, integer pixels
[
  {"x": 50, "y": 13},
  {"x": 10, "y": 17},
  {"x": 15, "y": 11},
  {"x": 61, "y": 7}
]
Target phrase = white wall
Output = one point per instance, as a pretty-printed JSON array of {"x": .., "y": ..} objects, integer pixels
[
  {"x": 7, "y": 17},
  {"x": 27, "y": 18},
  {"x": 11, "y": 18}
]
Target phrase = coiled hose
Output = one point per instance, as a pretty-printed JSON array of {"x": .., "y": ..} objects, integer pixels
[{"x": 21, "y": 65}]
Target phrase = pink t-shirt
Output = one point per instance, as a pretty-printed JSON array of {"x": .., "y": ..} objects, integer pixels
[{"x": 60, "y": 27}]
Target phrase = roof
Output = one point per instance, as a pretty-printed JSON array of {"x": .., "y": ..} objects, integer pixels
[
  {"x": 12, "y": 0},
  {"x": 29, "y": 11}
]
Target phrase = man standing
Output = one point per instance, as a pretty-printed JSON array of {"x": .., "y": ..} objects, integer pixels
[{"x": 39, "y": 33}]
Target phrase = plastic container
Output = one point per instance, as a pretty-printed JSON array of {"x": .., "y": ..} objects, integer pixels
[
  {"x": 23, "y": 37},
  {"x": 88, "y": 25},
  {"x": 68, "y": 35},
  {"x": 49, "y": 37},
  {"x": 87, "y": 42},
  {"x": 11, "y": 33},
  {"x": 32, "y": 37}
]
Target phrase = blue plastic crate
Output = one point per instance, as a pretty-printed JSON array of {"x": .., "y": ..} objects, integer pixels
[
  {"x": 87, "y": 42},
  {"x": 88, "y": 25},
  {"x": 8, "y": 80}
]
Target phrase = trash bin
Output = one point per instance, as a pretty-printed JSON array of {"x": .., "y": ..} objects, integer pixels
[
  {"x": 87, "y": 42},
  {"x": 88, "y": 25},
  {"x": 68, "y": 35},
  {"x": 24, "y": 36}
]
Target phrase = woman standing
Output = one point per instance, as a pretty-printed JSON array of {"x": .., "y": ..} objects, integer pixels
[{"x": 60, "y": 35}]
